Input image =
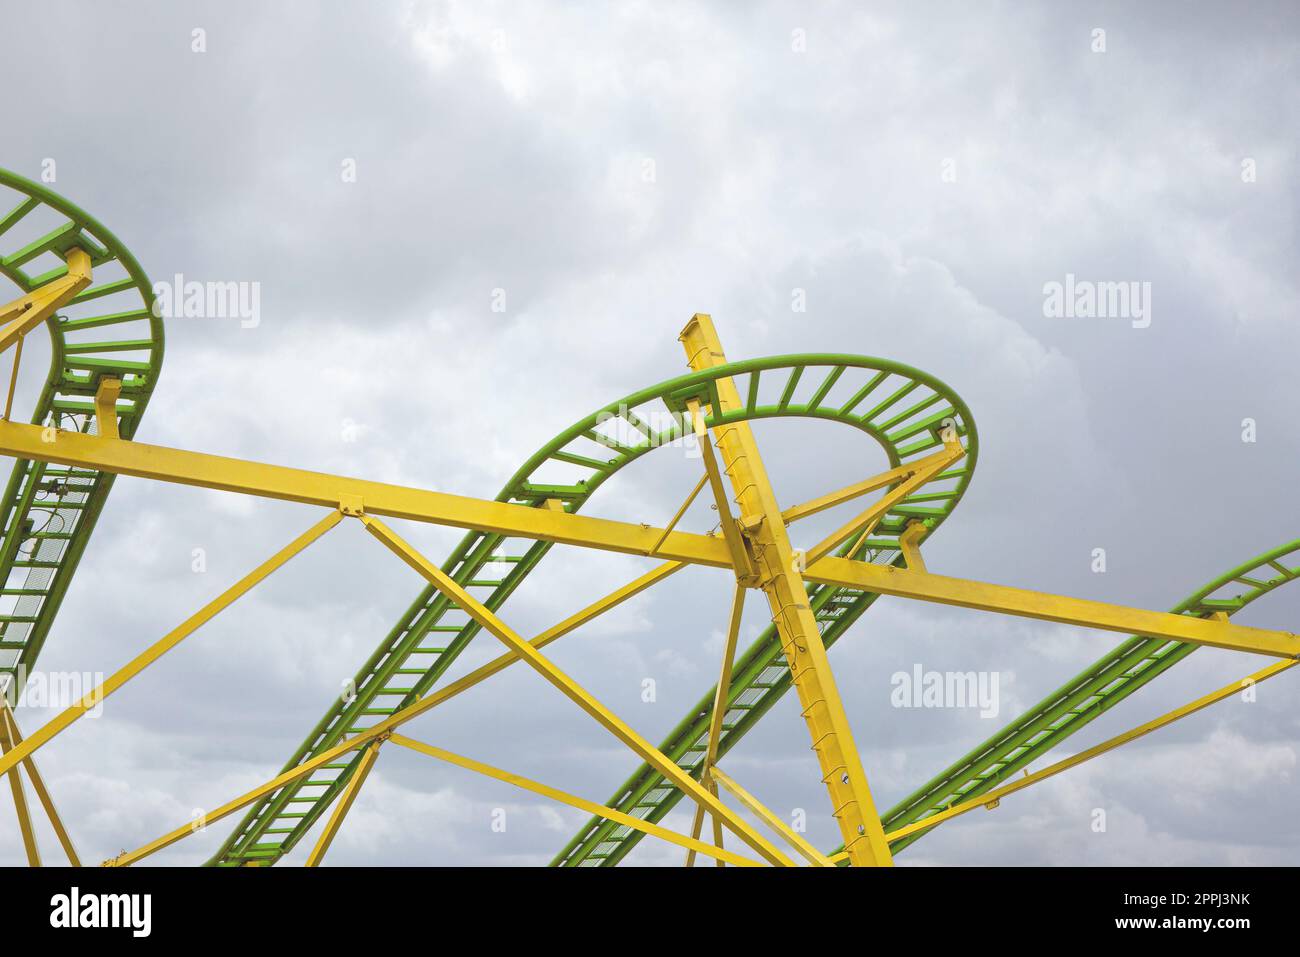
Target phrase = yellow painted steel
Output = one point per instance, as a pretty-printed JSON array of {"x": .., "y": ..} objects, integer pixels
[
  {"x": 720, "y": 694},
  {"x": 680, "y": 512},
  {"x": 810, "y": 671},
  {"x": 317, "y": 488},
  {"x": 730, "y": 530},
  {"x": 38, "y": 785},
  {"x": 29, "y": 311},
  {"x": 13, "y": 379},
  {"x": 95, "y": 696},
  {"x": 106, "y": 406},
  {"x": 773, "y": 820},
  {"x": 909, "y": 543},
  {"x": 7, "y": 744},
  {"x": 591, "y": 807},
  {"x": 571, "y": 689},
  {"x": 992, "y": 798},
  {"x": 888, "y": 580},
  {"x": 344, "y": 803},
  {"x": 796, "y": 512},
  {"x": 862, "y": 524},
  {"x": 410, "y": 712}
]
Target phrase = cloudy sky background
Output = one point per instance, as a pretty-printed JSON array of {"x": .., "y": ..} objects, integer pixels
[{"x": 504, "y": 147}]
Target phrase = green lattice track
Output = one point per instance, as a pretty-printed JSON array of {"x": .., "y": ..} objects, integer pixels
[
  {"x": 107, "y": 330},
  {"x": 903, "y": 409}
]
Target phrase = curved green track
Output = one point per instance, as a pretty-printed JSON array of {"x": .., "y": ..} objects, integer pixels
[
  {"x": 49, "y": 513},
  {"x": 108, "y": 329},
  {"x": 902, "y": 408}
]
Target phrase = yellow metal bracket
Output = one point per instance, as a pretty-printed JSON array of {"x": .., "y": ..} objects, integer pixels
[
  {"x": 106, "y": 396},
  {"x": 27, "y": 312}
]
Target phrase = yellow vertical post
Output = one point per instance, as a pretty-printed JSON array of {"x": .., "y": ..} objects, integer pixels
[
  {"x": 783, "y": 584},
  {"x": 38, "y": 785},
  {"x": 20, "y": 799},
  {"x": 344, "y": 805}
]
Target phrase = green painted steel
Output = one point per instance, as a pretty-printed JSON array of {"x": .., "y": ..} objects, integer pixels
[
  {"x": 1088, "y": 695},
  {"x": 902, "y": 408},
  {"x": 50, "y": 511}
]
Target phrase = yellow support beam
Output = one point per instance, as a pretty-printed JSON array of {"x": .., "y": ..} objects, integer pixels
[
  {"x": 38, "y": 785},
  {"x": 907, "y": 583},
  {"x": 994, "y": 796},
  {"x": 772, "y": 820},
  {"x": 480, "y": 613},
  {"x": 344, "y": 803},
  {"x": 106, "y": 406},
  {"x": 730, "y": 530},
  {"x": 159, "y": 463},
  {"x": 591, "y": 807},
  {"x": 20, "y": 798},
  {"x": 810, "y": 672},
  {"x": 409, "y": 713},
  {"x": 96, "y": 695},
  {"x": 29, "y": 311},
  {"x": 796, "y": 512}
]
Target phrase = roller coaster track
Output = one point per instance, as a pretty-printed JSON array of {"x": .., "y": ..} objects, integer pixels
[
  {"x": 50, "y": 512},
  {"x": 901, "y": 408},
  {"x": 107, "y": 330}
]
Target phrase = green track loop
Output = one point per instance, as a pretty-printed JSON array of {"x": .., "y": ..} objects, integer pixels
[
  {"x": 902, "y": 408},
  {"x": 108, "y": 329}
]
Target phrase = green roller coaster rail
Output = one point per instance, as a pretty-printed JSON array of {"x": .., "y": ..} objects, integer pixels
[
  {"x": 49, "y": 512},
  {"x": 901, "y": 407},
  {"x": 1087, "y": 696}
]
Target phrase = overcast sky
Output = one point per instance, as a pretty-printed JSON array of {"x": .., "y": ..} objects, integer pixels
[{"x": 922, "y": 171}]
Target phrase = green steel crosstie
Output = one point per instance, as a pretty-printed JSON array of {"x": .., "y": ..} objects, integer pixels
[{"x": 107, "y": 346}]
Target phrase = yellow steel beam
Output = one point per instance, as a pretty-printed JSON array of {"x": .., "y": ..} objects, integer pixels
[
  {"x": 863, "y": 523},
  {"x": 680, "y": 512},
  {"x": 730, "y": 530},
  {"x": 344, "y": 804},
  {"x": 106, "y": 406},
  {"x": 591, "y": 807},
  {"x": 888, "y": 580},
  {"x": 38, "y": 785},
  {"x": 570, "y": 688},
  {"x": 406, "y": 714},
  {"x": 810, "y": 671},
  {"x": 721, "y": 692},
  {"x": 909, "y": 543},
  {"x": 122, "y": 457},
  {"x": 29, "y": 311},
  {"x": 795, "y": 512},
  {"x": 13, "y": 379},
  {"x": 20, "y": 800},
  {"x": 165, "y": 644},
  {"x": 797, "y": 841},
  {"x": 993, "y": 797}
]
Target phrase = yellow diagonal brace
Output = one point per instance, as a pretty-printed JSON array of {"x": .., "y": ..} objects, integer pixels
[
  {"x": 410, "y": 712},
  {"x": 810, "y": 671},
  {"x": 863, "y": 523},
  {"x": 992, "y": 797},
  {"x": 888, "y": 580},
  {"x": 24, "y": 314},
  {"x": 163, "y": 464},
  {"x": 20, "y": 799},
  {"x": 38, "y": 786},
  {"x": 344, "y": 803},
  {"x": 730, "y": 530},
  {"x": 797, "y": 841},
  {"x": 571, "y": 689},
  {"x": 721, "y": 693},
  {"x": 591, "y": 807},
  {"x": 795, "y": 512},
  {"x": 680, "y": 512},
  {"x": 165, "y": 644}
]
